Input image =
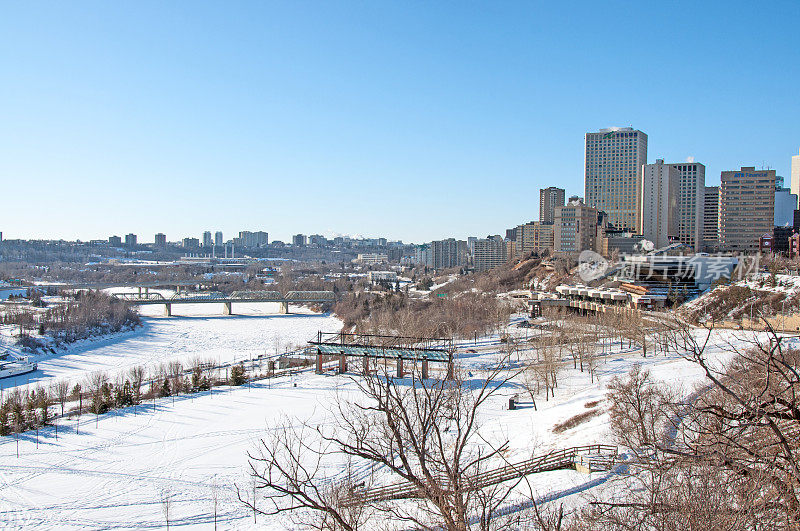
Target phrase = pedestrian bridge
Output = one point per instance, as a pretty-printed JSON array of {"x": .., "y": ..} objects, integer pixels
[{"x": 146, "y": 297}]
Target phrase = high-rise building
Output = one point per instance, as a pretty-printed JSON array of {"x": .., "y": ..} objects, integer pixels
[
  {"x": 218, "y": 238},
  {"x": 448, "y": 253},
  {"x": 191, "y": 243},
  {"x": 691, "y": 194},
  {"x": 114, "y": 241},
  {"x": 785, "y": 205},
  {"x": 489, "y": 253},
  {"x": 130, "y": 240},
  {"x": 534, "y": 237},
  {"x": 252, "y": 240},
  {"x": 794, "y": 183},
  {"x": 612, "y": 173},
  {"x": 711, "y": 218},
  {"x": 317, "y": 239},
  {"x": 161, "y": 239},
  {"x": 746, "y": 208},
  {"x": 549, "y": 199},
  {"x": 575, "y": 227},
  {"x": 299, "y": 240},
  {"x": 207, "y": 241},
  {"x": 658, "y": 220}
]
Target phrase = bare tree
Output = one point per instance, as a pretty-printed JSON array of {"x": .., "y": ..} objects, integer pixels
[
  {"x": 165, "y": 497},
  {"x": 423, "y": 434},
  {"x": 136, "y": 375},
  {"x": 61, "y": 391}
]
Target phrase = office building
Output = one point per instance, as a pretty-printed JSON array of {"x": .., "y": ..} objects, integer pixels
[
  {"x": 794, "y": 183},
  {"x": 612, "y": 173},
  {"x": 218, "y": 238},
  {"x": 691, "y": 194},
  {"x": 449, "y": 253},
  {"x": 161, "y": 239},
  {"x": 549, "y": 199},
  {"x": 711, "y": 218},
  {"x": 658, "y": 220},
  {"x": 299, "y": 240},
  {"x": 130, "y": 240},
  {"x": 575, "y": 227},
  {"x": 115, "y": 241},
  {"x": 746, "y": 208},
  {"x": 489, "y": 253}
]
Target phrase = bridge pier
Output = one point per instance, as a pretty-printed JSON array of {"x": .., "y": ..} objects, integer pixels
[
  {"x": 366, "y": 365},
  {"x": 319, "y": 362},
  {"x": 399, "y": 367},
  {"x": 284, "y": 307},
  {"x": 227, "y": 308},
  {"x": 168, "y": 310},
  {"x": 342, "y": 363},
  {"x": 424, "y": 369}
]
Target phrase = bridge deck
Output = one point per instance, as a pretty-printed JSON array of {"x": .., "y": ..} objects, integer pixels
[
  {"x": 592, "y": 457},
  {"x": 237, "y": 296}
]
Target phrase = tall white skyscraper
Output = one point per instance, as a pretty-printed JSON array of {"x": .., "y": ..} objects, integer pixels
[
  {"x": 612, "y": 173},
  {"x": 691, "y": 195},
  {"x": 660, "y": 209},
  {"x": 794, "y": 182}
]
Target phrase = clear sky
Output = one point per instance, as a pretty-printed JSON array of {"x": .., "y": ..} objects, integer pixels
[{"x": 408, "y": 120}]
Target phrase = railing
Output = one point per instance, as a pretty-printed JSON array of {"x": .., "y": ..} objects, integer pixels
[
  {"x": 594, "y": 457},
  {"x": 240, "y": 296}
]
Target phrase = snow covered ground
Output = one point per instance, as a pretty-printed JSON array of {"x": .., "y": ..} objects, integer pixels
[
  {"x": 196, "y": 330},
  {"x": 115, "y": 470}
]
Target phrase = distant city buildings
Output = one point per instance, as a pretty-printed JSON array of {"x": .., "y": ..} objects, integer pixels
[
  {"x": 575, "y": 227},
  {"x": 658, "y": 220},
  {"x": 533, "y": 237},
  {"x": 746, "y": 208},
  {"x": 299, "y": 240},
  {"x": 218, "y": 240},
  {"x": 711, "y": 218},
  {"x": 207, "y": 241},
  {"x": 251, "y": 240},
  {"x": 160, "y": 239},
  {"x": 785, "y": 205},
  {"x": 489, "y": 253},
  {"x": 372, "y": 258},
  {"x": 691, "y": 194},
  {"x": 794, "y": 183},
  {"x": 449, "y": 253},
  {"x": 115, "y": 241},
  {"x": 130, "y": 240},
  {"x": 549, "y": 199},
  {"x": 191, "y": 243},
  {"x": 613, "y": 161}
]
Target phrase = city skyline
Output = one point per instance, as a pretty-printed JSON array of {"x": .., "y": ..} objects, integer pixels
[{"x": 284, "y": 117}]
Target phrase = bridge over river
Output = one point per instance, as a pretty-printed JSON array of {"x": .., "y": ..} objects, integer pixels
[{"x": 146, "y": 297}]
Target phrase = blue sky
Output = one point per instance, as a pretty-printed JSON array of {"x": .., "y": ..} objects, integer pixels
[{"x": 408, "y": 120}]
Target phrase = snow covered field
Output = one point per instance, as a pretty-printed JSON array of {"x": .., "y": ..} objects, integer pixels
[
  {"x": 196, "y": 330},
  {"x": 115, "y": 470}
]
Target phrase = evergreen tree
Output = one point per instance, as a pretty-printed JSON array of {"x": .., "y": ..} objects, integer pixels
[
  {"x": 237, "y": 374},
  {"x": 165, "y": 390}
]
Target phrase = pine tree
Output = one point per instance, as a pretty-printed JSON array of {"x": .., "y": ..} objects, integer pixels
[{"x": 165, "y": 390}]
